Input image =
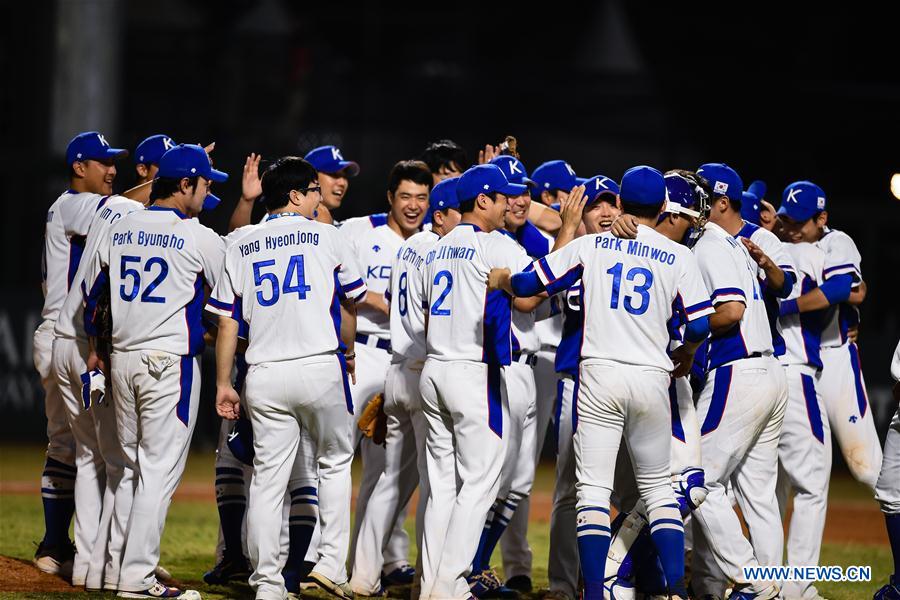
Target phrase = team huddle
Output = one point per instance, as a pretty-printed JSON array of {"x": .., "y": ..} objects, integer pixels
[{"x": 443, "y": 340}]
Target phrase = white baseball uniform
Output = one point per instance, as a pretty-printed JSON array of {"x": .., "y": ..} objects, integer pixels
[
  {"x": 887, "y": 492},
  {"x": 288, "y": 276},
  {"x": 741, "y": 409},
  {"x": 68, "y": 221},
  {"x": 404, "y": 465},
  {"x": 842, "y": 385},
  {"x": 98, "y": 457},
  {"x": 804, "y": 449},
  {"x": 375, "y": 249},
  {"x": 158, "y": 261},
  {"x": 464, "y": 400}
]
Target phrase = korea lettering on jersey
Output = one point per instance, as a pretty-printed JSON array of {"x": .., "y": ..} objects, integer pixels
[
  {"x": 68, "y": 221},
  {"x": 841, "y": 258},
  {"x": 375, "y": 249},
  {"x": 802, "y": 332},
  {"x": 629, "y": 287},
  {"x": 406, "y": 293},
  {"x": 158, "y": 261},
  {"x": 731, "y": 276},
  {"x": 70, "y": 322},
  {"x": 465, "y": 320},
  {"x": 281, "y": 276}
]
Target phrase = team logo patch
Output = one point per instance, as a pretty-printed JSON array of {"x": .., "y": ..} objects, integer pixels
[
  {"x": 820, "y": 203},
  {"x": 720, "y": 187}
]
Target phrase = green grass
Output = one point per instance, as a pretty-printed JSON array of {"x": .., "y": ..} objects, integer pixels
[{"x": 190, "y": 536}]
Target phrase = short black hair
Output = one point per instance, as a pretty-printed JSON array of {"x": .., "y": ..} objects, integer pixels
[
  {"x": 445, "y": 153},
  {"x": 466, "y": 206},
  {"x": 284, "y": 175},
  {"x": 163, "y": 187},
  {"x": 411, "y": 170},
  {"x": 643, "y": 211}
]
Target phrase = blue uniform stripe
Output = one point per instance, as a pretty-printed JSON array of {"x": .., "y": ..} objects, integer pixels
[
  {"x": 812, "y": 408},
  {"x": 557, "y": 409},
  {"x": 861, "y": 399},
  {"x": 229, "y": 471},
  {"x": 55, "y": 464},
  {"x": 348, "y": 397},
  {"x": 677, "y": 427},
  {"x": 219, "y": 304},
  {"x": 183, "y": 410},
  {"x": 305, "y": 491},
  {"x": 494, "y": 401},
  {"x": 657, "y": 522},
  {"x": 575, "y": 390},
  {"x": 721, "y": 387},
  {"x": 593, "y": 509},
  {"x": 602, "y": 529}
]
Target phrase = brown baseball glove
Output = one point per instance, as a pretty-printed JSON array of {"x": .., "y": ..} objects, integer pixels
[{"x": 373, "y": 420}]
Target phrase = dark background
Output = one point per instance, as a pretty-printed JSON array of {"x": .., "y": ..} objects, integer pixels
[{"x": 779, "y": 93}]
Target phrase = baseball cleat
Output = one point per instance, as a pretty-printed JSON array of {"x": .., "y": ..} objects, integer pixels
[
  {"x": 619, "y": 589},
  {"x": 229, "y": 569},
  {"x": 158, "y": 590},
  {"x": 520, "y": 583},
  {"x": 339, "y": 590},
  {"x": 748, "y": 594},
  {"x": 487, "y": 585},
  {"x": 55, "y": 560},
  {"x": 891, "y": 591},
  {"x": 402, "y": 575}
]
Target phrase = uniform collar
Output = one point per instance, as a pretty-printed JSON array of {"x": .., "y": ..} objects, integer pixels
[{"x": 180, "y": 214}]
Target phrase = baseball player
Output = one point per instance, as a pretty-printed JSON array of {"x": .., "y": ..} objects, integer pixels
[
  {"x": 409, "y": 184},
  {"x": 405, "y": 439},
  {"x": 628, "y": 290},
  {"x": 758, "y": 210},
  {"x": 601, "y": 207},
  {"x": 463, "y": 396},
  {"x": 741, "y": 404},
  {"x": 804, "y": 448},
  {"x": 98, "y": 459},
  {"x": 289, "y": 274},
  {"x": 887, "y": 490},
  {"x": 156, "y": 262},
  {"x": 631, "y": 562},
  {"x": 804, "y": 217},
  {"x": 445, "y": 159},
  {"x": 92, "y": 170}
]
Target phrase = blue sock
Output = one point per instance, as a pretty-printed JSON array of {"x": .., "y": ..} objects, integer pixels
[
  {"x": 667, "y": 531},
  {"x": 504, "y": 509},
  {"x": 893, "y": 528},
  {"x": 232, "y": 504},
  {"x": 303, "y": 516},
  {"x": 593, "y": 545},
  {"x": 58, "y": 496},
  {"x": 479, "y": 562}
]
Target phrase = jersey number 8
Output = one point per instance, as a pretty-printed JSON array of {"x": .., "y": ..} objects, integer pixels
[{"x": 294, "y": 280}]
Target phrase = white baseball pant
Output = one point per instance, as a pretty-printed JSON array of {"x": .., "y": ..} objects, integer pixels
[
  {"x": 404, "y": 459},
  {"x": 804, "y": 451},
  {"x": 887, "y": 492},
  {"x": 843, "y": 391},
  {"x": 563, "y": 567},
  {"x": 741, "y": 411},
  {"x": 281, "y": 397},
  {"x": 156, "y": 397},
  {"x": 465, "y": 409}
]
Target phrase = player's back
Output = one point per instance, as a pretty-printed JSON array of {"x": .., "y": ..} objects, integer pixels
[
  {"x": 629, "y": 291},
  {"x": 69, "y": 322},
  {"x": 286, "y": 279},
  {"x": 465, "y": 320},
  {"x": 158, "y": 263},
  {"x": 68, "y": 221},
  {"x": 407, "y": 315},
  {"x": 842, "y": 257},
  {"x": 802, "y": 332},
  {"x": 730, "y": 274}
]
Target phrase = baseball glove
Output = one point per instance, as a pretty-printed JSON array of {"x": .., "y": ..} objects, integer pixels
[
  {"x": 373, "y": 420},
  {"x": 103, "y": 322}
]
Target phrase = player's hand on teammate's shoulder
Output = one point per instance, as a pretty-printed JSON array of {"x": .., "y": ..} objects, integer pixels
[
  {"x": 625, "y": 226},
  {"x": 682, "y": 358},
  {"x": 228, "y": 403},
  {"x": 251, "y": 186},
  {"x": 499, "y": 279},
  {"x": 756, "y": 253}
]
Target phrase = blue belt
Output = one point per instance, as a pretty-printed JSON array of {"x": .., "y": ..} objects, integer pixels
[
  {"x": 371, "y": 340},
  {"x": 527, "y": 358}
]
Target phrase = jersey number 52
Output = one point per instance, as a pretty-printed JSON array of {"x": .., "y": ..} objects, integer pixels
[{"x": 154, "y": 264}]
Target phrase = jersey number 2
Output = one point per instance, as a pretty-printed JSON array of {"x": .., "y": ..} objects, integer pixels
[
  {"x": 127, "y": 272},
  {"x": 294, "y": 280},
  {"x": 436, "y": 309},
  {"x": 643, "y": 290}
]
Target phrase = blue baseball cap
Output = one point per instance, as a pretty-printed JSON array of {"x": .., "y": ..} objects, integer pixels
[
  {"x": 643, "y": 185},
  {"x": 597, "y": 186},
  {"x": 484, "y": 179},
  {"x": 188, "y": 160},
  {"x": 681, "y": 195},
  {"x": 723, "y": 180},
  {"x": 555, "y": 175},
  {"x": 513, "y": 168},
  {"x": 151, "y": 149},
  {"x": 328, "y": 159},
  {"x": 91, "y": 145},
  {"x": 758, "y": 189},
  {"x": 750, "y": 207},
  {"x": 802, "y": 200},
  {"x": 240, "y": 442},
  {"x": 443, "y": 195}
]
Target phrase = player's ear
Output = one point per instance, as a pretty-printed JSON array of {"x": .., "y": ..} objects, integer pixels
[
  {"x": 142, "y": 170},
  {"x": 79, "y": 168},
  {"x": 822, "y": 219},
  {"x": 547, "y": 198},
  {"x": 390, "y": 198}
]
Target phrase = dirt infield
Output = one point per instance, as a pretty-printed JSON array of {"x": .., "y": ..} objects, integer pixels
[{"x": 22, "y": 576}]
